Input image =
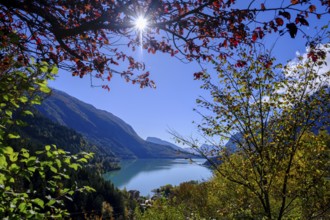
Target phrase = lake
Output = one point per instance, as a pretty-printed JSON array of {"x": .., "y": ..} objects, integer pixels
[{"x": 148, "y": 174}]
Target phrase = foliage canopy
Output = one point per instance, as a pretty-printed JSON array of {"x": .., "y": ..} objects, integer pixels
[
  {"x": 85, "y": 37},
  {"x": 267, "y": 111}
]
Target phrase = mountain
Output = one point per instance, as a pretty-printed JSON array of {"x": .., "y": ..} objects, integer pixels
[
  {"x": 162, "y": 142},
  {"x": 102, "y": 128},
  {"x": 40, "y": 131}
]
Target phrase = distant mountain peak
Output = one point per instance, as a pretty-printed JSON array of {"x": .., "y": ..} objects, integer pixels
[{"x": 163, "y": 142}]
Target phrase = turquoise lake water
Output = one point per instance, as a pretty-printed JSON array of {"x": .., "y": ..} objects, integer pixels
[{"x": 148, "y": 174}]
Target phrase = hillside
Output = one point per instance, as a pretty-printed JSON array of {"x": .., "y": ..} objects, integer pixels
[
  {"x": 102, "y": 128},
  {"x": 40, "y": 131}
]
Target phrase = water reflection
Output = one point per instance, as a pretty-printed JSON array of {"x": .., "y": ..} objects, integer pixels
[{"x": 147, "y": 174}]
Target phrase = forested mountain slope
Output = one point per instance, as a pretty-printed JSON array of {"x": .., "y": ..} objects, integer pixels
[{"x": 102, "y": 128}]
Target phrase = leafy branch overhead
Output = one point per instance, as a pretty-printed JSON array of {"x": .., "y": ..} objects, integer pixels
[{"x": 86, "y": 36}]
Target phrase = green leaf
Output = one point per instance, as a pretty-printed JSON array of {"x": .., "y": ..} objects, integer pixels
[
  {"x": 8, "y": 150},
  {"x": 58, "y": 162},
  {"x": 67, "y": 160},
  {"x": 25, "y": 153},
  {"x": 279, "y": 66},
  {"x": 74, "y": 166},
  {"x": 44, "y": 68},
  {"x": 84, "y": 160},
  {"x": 54, "y": 70},
  {"x": 53, "y": 169},
  {"x": 45, "y": 89},
  {"x": 27, "y": 112},
  {"x": 13, "y": 157},
  {"x": 30, "y": 161},
  {"x": 47, "y": 147},
  {"x": 22, "y": 207},
  {"x": 51, "y": 202},
  {"x": 32, "y": 169},
  {"x": 36, "y": 101},
  {"x": 39, "y": 202},
  {"x": 2, "y": 179},
  {"x": 3, "y": 161},
  {"x": 9, "y": 113},
  {"x": 57, "y": 177},
  {"x": 89, "y": 189},
  {"x": 5, "y": 97},
  {"x": 71, "y": 192},
  {"x": 23, "y": 99},
  {"x": 13, "y": 136},
  {"x": 14, "y": 167},
  {"x": 14, "y": 103}
]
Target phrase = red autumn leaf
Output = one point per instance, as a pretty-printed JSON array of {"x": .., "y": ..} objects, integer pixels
[
  {"x": 268, "y": 64},
  {"x": 312, "y": 56},
  {"x": 240, "y": 63},
  {"x": 79, "y": 31},
  {"x": 88, "y": 7},
  {"x": 272, "y": 24},
  {"x": 303, "y": 21},
  {"x": 294, "y": 2},
  {"x": 285, "y": 14},
  {"x": 173, "y": 52},
  {"x": 300, "y": 19},
  {"x": 279, "y": 21},
  {"x": 312, "y": 8},
  {"x": 225, "y": 44},
  {"x": 37, "y": 39},
  {"x": 292, "y": 29},
  {"x": 216, "y": 4},
  {"x": 263, "y": 6},
  {"x": 233, "y": 42},
  {"x": 106, "y": 87},
  {"x": 257, "y": 33},
  {"x": 198, "y": 75}
]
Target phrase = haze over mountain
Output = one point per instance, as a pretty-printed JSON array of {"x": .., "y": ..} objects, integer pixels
[
  {"x": 102, "y": 128},
  {"x": 162, "y": 142}
]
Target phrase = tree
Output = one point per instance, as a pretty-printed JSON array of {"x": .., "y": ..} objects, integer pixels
[
  {"x": 268, "y": 111},
  {"x": 84, "y": 37},
  {"x": 31, "y": 183}
]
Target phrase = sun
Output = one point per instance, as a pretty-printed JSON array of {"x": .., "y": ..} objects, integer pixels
[{"x": 141, "y": 23}]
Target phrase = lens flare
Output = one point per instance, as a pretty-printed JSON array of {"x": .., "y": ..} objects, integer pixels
[{"x": 141, "y": 23}]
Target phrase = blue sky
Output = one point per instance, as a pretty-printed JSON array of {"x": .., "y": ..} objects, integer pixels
[{"x": 152, "y": 112}]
